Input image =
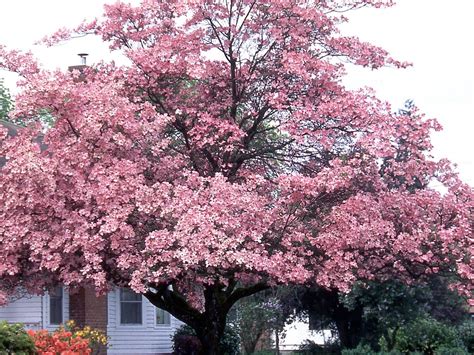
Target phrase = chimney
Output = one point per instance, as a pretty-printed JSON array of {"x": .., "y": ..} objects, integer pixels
[
  {"x": 81, "y": 66},
  {"x": 83, "y": 58}
]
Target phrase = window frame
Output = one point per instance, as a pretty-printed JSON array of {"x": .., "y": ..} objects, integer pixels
[
  {"x": 47, "y": 309},
  {"x": 161, "y": 325},
  {"x": 119, "y": 323}
]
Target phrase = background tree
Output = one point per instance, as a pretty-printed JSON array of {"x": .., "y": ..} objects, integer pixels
[
  {"x": 6, "y": 103},
  {"x": 225, "y": 158},
  {"x": 254, "y": 316},
  {"x": 377, "y": 310},
  {"x": 263, "y": 315}
]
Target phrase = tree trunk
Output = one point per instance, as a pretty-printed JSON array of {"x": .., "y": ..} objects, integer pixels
[
  {"x": 350, "y": 331},
  {"x": 251, "y": 346},
  {"x": 277, "y": 342},
  {"x": 210, "y": 332},
  {"x": 344, "y": 334},
  {"x": 210, "y": 329},
  {"x": 210, "y": 324}
]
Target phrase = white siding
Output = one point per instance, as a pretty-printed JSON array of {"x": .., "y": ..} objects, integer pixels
[
  {"x": 33, "y": 311},
  {"x": 25, "y": 310},
  {"x": 147, "y": 338}
]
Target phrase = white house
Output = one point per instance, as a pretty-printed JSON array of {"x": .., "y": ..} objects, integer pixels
[{"x": 132, "y": 323}]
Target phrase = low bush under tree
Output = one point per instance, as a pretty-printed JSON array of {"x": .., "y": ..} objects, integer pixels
[
  {"x": 185, "y": 342},
  {"x": 15, "y": 340}
]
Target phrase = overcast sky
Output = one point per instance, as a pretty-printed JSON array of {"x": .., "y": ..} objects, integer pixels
[{"x": 435, "y": 35}]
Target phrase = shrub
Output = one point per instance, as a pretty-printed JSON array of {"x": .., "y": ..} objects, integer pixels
[
  {"x": 185, "y": 342},
  {"x": 59, "y": 342},
  {"x": 309, "y": 347},
  {"x": 15, "y": 340},
  {"x": 360, "y": 350},
  {"x": 466, "y": 334},
  {"x": 365, "y": 349},
  {"x": 264, "y": 352},
  {"x": 96, "y": 337},
  {"x": 451, "y": 351},
  {"x": 426, "y": 336}
]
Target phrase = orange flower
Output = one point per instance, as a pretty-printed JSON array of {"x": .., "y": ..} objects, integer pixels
[{"x": 60, "y": 342}]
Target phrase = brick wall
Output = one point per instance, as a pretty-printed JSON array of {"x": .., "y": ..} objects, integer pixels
[
  {"x": 77, "y": 306},
  {"x": 88, "y": 309},
  {"x": 95, "y": 310}
]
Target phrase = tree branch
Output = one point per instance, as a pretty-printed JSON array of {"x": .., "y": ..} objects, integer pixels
[
  {"x": 174, "y": 303},
  {"x": 242, "y": 292}
]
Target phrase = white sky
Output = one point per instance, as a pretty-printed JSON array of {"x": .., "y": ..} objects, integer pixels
[{"x": 435, "y": 35}]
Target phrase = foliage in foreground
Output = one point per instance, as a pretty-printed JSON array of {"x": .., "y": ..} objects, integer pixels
[
  {"x": 185, "y": 342},
  {"x": 466, "y": 334},
  {"x": 15, "y": 340},
  {"x": 427, "y": 336},
  {"x": 309, "y": 347},
  {"x": 60, "y": 341},
  {"x": 442, "y": 350},
  {"x": 423, "y": 336},
  {"x": 69, "y": 340},
  {"x": 96, "y": 337},
  {"x": 378, "y": 309}
]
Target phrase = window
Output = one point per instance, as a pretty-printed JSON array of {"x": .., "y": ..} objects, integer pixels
[
  {"x": 56, "y": 305},
  {"x": 162, "y": 317},
  {"x": 130, "y": 307}
]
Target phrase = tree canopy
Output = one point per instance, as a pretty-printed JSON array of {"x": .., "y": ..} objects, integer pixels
[{"x": 227, "y": 156}]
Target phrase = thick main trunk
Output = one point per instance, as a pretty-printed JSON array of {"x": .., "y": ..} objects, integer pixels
[
  {"x": 210, "y": 333},
  {"x": 210, "y": 324}
]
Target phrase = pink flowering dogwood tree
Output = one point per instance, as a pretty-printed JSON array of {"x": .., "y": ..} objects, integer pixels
[{"x": 226, "y": 157}]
